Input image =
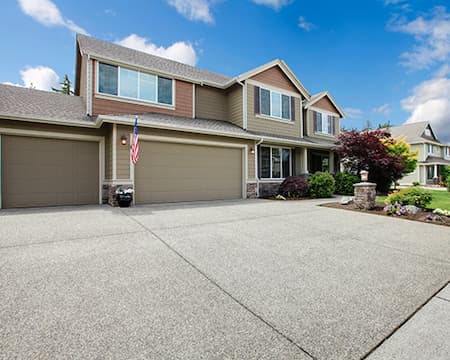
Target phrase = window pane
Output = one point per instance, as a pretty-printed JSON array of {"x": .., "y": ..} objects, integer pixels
[
  {"x": 286, "y": 162},
  {"x": 330, "y": 124},
  {"x": 128, "y": 83},
  {"x": 265, "y": 102},
  {"x": 147, "y": 87},
  {"x": 286, "y": 106},
  {"x": 264, "y": 162},
  {"x": 107, "y": 79},
  {"x": 324, "y": 125},
  {"x": 276, "y": 163},
  {"x": 318, "y": 121},
  {"x": 276, "y": 104},
  {"x": 164, "y": 91}
]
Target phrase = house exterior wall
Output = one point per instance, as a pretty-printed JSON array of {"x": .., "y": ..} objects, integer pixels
[
  {"x": 309, "y": 126},
  {"x": 277, "y": 78},
  {"x": 114, "y": 105},
  {"x": 235, "y": 105},
  {"x": 267, "y": 125},
  {"x": 210, "y": 103}
]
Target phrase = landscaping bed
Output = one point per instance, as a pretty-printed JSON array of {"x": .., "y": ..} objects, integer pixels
[{"x": 423, "y": 216}]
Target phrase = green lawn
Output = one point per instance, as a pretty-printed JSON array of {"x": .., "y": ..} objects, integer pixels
[{"x": 441, "y": 199}]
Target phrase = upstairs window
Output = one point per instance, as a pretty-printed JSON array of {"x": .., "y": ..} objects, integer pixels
[
  {"x": 324, "y": 123},
  {"x": 274, "y": 104},
  {"x": 447, "y": 151},
  {"x": 132, "y": 84}
]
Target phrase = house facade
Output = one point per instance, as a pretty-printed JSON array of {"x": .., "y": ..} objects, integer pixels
[
  {"x": 433, "y": 154},
  {"x": 203, "y": 136}
]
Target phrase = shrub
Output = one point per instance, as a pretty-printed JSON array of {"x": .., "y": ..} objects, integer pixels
[
  {"x": 294, "y": 186},
  {"x": 321, "y": 185},
  {"x": 448, "y": 183},
  {"x": 415, "y": 183},
  {"x": 344, "y": 183},
  {"x": 411, "y": 196}
]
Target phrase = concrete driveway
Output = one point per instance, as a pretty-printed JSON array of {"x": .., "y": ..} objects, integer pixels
[{"x": 219, "y": 280}]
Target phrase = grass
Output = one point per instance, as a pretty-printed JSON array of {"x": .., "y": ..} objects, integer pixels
[{"x": 441, "y": 200}]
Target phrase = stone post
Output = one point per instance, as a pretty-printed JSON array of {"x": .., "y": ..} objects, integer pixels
[{"x": 365, "y": 193}]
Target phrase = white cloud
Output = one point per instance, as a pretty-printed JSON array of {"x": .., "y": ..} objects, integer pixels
[
  {"x": 430, "y": 101},
  {"x": 384, "y": 109},
  {"x": 196, "y": 10},
  {"x": 303, "y": 24},
  {"x": 48, "y": 14},
  {"x": 179, "y": 51},
  {"x": 393, "y": 2},
  {"x": 276, "y": 4},
  {"x": 432, "y": 34},
  {"x": 40, "y": 78},
  {"x": 353, "y": 113}
]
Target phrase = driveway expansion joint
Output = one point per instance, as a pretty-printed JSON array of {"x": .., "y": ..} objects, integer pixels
[{"x": 210, "y": 280}]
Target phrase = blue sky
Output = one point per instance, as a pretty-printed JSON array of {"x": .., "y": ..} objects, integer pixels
[{"x": 382, "y": 60}]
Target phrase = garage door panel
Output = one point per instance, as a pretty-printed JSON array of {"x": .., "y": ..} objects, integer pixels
[
  {"x": 169, "y": 172},
  {"x": 47, "y": 172}
]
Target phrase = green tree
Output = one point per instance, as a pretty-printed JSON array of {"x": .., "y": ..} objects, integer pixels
[
  {"x": 402, "y": 149},
  {"x": 385, "y": 125},
  {"x": 65, "y": 86}
]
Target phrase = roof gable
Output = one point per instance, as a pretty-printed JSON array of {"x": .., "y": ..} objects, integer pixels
[
  {"x": 414, "y": 132},
  {"x": 324, "y": 101}
]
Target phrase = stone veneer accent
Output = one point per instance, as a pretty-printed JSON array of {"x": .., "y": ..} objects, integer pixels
[
  {"x": 365, "y": 195},
  {"x": 109, "y": 193},
  {"x": 252, "y": 192},
  {"x": 267, "y": 189}
]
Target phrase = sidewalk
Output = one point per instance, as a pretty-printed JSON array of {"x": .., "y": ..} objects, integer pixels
[{"x": 425, "y": 336}]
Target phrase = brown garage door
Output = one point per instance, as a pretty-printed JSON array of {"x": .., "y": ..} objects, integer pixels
[
  {"x": 170, "y": 172},
  {"x": 47, "y": 172}
]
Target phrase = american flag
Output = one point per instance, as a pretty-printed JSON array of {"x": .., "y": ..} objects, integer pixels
[{"x": 134, "y": 153}]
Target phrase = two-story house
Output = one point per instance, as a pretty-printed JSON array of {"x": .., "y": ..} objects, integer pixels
[
  {"x": 203, "y": 136},
  {"x": 433, "y": 155}
]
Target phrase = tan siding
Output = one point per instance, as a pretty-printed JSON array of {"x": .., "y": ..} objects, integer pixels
[
  {"x": 123, "y": 152},
  {"x": 310, "y": 127},
  {"x": 183, "y": 102},
  {"x": 235, "y": 114},
  {"x": 83, "y": 75},
  {"x": 268, "y": 126},
  {"x": 108, "y": 151},
  {"x": 275, "y": 77},
  {"x": 123, "y": 159},
  {"x": 210, "y": 103}
]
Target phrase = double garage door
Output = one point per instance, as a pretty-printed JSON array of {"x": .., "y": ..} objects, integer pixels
[
  {"x": 47, "y": 172},
  {"x": 171, "y": 172}
]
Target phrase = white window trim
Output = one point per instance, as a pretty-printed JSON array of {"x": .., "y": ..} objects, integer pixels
[
  {"x": 281, "y": 163},
  {"x": 156, "y": 103},
  {"x": 324, "y": 113},
  {"x": 271, "y": 116}
]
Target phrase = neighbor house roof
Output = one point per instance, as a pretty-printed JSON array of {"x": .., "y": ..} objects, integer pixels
[
  {"x": 316, "y": 97},
  {"x": 117, "y": 53},
  {"x": 43, "y": 106},
  {"x": 435, "y": 160},
  {"x": 413, "y": 132}
]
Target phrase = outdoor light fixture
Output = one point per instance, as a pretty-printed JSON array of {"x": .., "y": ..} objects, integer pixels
[
  {"x": 364, "y": 175},
  {"x": 252, "y": 151},
  {"x": 123, "y": 140}
]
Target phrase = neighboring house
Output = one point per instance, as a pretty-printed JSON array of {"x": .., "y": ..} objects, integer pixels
[
  {"x": 433, "y": 154},
  {"x": 203, "y": 136}
]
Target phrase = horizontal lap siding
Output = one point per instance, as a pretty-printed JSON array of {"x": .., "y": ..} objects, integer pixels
[
  {"x": 235, "y": 113},
  {"x": 183, "y": 102},
  {"x": 123, "y": 152},
  {"x": 108, "y": 151},
  {"x": 256, "y": 123},
  {"x": 211, "y": 103},
  {"x": 310, "y": 127}
]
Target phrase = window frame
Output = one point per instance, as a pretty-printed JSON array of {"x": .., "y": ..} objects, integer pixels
[
  {"x": 138, "y": 99},
  {"x": 324, "y": 114},
  {"x": 280, "y": 93},
  {"x": 280, "y": 148}
]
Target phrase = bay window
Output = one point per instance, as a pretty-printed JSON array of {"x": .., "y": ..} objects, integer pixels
[
  {"x": 324, "y": 123},
  {"x": 274, "y": 162},
  {"x": 132, "y": 84}
]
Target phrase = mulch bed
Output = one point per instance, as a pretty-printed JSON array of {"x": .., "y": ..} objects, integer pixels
[{"x": 378, "y": 210}]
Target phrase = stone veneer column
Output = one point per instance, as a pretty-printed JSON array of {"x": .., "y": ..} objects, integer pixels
[
  {"x": 365, "y": 195},
  {"x": 109, "y": 193}
]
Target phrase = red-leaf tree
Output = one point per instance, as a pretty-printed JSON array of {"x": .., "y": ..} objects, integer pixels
[{"x": 367, "y": 150}]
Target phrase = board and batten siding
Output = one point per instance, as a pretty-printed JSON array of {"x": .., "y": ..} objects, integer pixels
[
  {"x": 262, "y": 123},
  {"x": 114, "y": 105}
]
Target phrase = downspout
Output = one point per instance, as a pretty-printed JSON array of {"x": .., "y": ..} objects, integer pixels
[
  {"x": 244, "y": 103},
  {"x": 256, "y": 165}
]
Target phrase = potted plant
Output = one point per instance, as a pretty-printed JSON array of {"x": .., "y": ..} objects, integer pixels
[{"x": 124, "y": 197}]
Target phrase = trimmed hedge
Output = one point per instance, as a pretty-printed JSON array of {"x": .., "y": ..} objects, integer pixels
[
  {"x": 294, "y": 187},
  {"x": 322, "y": 185},
  {"x": 344, "y": 183}
]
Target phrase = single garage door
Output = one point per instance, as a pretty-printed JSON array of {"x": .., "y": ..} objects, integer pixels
[
  {"x": 170, "y": 172},
  {"x": 47, "y": 172}
]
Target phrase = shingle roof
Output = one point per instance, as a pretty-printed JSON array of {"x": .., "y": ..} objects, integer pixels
[
  {"x": 412, "y": 132},
  {"x": 126, "y": 55},
  {"x": 435, "y": 160},
  {"x": 16, "y": 101},
  {"x": 186, "y": 123}
]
